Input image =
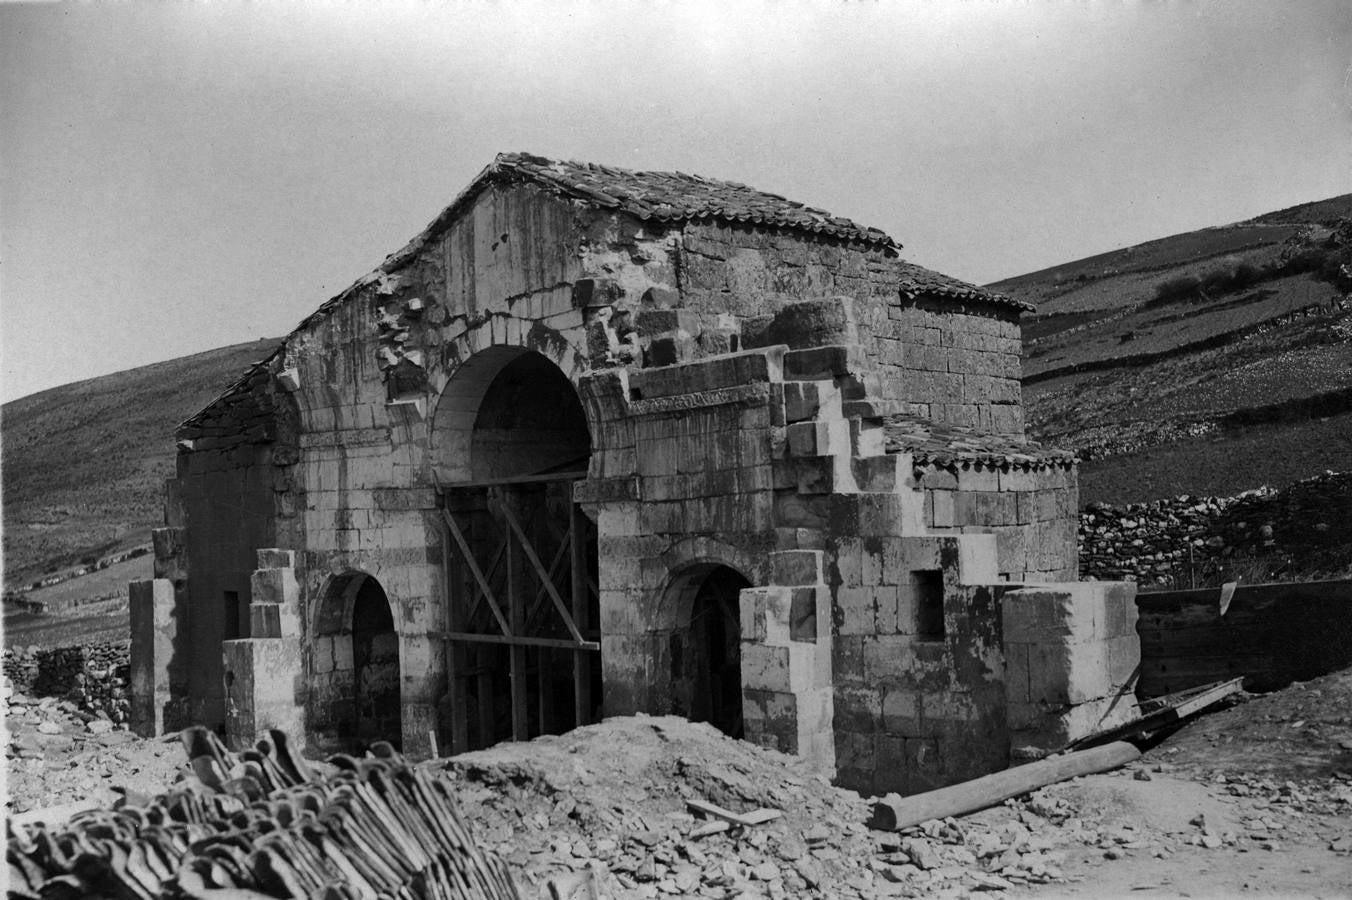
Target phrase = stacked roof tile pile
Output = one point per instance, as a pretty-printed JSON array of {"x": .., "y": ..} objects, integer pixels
[{"x": 264, "y": 824}]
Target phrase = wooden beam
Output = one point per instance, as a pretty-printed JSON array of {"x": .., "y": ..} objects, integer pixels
[
  {"x": 543, "y": 573},
  {"x": 488, "y": 576},
  {"x": 582, "y": 698},
  {"x": 516, "y": 653},
  {"x": 455, "y": 681},
  {"x": 894, "y": 813},
  {"x": 576, "y": 475},
  {"x": 478, "y": 574},
  {"x": 521, "y": 640},
  {"x": 540, "y": 592}
]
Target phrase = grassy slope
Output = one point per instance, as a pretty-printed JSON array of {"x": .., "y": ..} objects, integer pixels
[
  {"x": 85, "y": 463},
  {"x": 1104, "y": 308}
]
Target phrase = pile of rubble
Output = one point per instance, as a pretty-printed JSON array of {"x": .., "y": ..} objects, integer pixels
[
  {"x": 1188, "y": 541},
  {"x": 94, "y": 678},
  {"x": 59, "y": 754},
  {"x": 612, "y": 802}
]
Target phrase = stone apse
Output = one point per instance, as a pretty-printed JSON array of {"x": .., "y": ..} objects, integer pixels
[{"x": 600, "y": 442}]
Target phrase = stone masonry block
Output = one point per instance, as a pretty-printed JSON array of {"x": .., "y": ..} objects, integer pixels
[
  {"x": 858, "y": 709},
  {"x": 766, "y": 668},
  {"x": 1031, "y": 616},
  {"x": 1067, "y": 673},
  {"x": 751, "y": 607},
  {"x": 881, "y": 474},
  {"x": 802, "y": 400},
  {"x": 978, "y": 559},
  {"x": 274, "y": 586},
  {"x": 978, "y": 478},
  {"x": 887, "y": 658},
  {"x": 822, "y": 363},
  {"x": 943, "y": 513},
  {"x": 1124, "y": 662},
  {"x": 849, "y": 561},
  {"x": 1016, "y": 673},
  {"x": 939, "y": 479},
  {"x": 817, "y": 438},
  {"x": 857, "y": 612},
  {"x": 797, "y": 567},
  {"x": 805, "y": 613},
  {"x": 902, "y": 711},
  {"x": 273, "y": 558}
]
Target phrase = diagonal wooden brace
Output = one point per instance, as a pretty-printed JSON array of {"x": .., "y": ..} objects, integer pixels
[{"x": 478, "y": 574}]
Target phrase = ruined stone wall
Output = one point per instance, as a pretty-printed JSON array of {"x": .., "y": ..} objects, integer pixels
[
  {"x": 235, "y": 492},
  {"x": 228, "y": 495},
  {"x": 1032, "y": 511},
  {"x": 956, "y": 363}
]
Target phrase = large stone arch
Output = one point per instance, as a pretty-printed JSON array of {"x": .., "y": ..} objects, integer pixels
[{"x": 538, "y": 358}]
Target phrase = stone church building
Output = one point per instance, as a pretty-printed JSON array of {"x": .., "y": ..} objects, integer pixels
[{"x": 601, "y": 442}]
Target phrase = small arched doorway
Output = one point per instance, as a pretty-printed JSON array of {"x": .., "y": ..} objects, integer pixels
[
  {"x": 354, "y": 678},
  {"x": 706, "y": 656},
  {"x": 375, "y": 666}
]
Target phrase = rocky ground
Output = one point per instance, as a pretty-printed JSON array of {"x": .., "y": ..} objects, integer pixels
[{"x": 1255, "y": 800}]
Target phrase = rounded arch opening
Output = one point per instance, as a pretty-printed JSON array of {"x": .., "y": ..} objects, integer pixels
[
  {"x": 354, "y": 688},
  {"x": 705, "y": 645},
  {"x": 509, "y": 413}
]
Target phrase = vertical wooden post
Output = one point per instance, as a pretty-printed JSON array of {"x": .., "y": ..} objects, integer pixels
[
  {"x": 582, "y": 699},
  {"x": 488, "y": 722},
  {"x": 456, "y": 608},
  {"x": 520, "y": 726}
]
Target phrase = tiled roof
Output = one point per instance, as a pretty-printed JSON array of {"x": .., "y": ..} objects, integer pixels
[
  {"x": 675, "y": 196},
  {"x": 946, "y": 445},
  {"x": 916, "y": 281}
]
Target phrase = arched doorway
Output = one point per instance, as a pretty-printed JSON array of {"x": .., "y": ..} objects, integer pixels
[
  {"x": 375, "y": 666},
  {"x": 354, "y": 697},
  {"x": 511, "y": 438},
  {"x": 706, "y": 657}
]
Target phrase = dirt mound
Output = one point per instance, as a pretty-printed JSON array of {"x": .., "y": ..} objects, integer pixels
[{"x": 1302, "y": 732}]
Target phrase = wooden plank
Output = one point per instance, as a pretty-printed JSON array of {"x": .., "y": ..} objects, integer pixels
[
  {"x": 1164, "y": 712},
  {"x": 548, "y": 585},
  {"x": 582, "y": 696},
  {"x": 746, "y": 820},
  {"x": 488, "y": 723},
  {"x": 520, "y": 640},
  {"x": 516, "y": 653},
  {"x": 538, "y": 600},
  {"x": 488, "y": 576},
  {"x": 576, "y": 475},
  {"x": 894, "y": 813},
  {"x": 478, "y": 574}
]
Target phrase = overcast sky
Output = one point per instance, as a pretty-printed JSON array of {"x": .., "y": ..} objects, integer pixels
[{"x": 177, "y": 177}]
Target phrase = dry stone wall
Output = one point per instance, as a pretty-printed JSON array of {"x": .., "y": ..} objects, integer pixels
[
  {"x": 93, "y": 677},
  {"x": 1191, "y": 541}
]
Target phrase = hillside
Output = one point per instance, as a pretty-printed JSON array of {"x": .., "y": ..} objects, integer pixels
[
  {"x": 85, "y": 463},
  {"x": 1210, "y": 362}
]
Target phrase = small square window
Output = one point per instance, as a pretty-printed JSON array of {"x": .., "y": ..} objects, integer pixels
[{"x": 929, "y": 604}]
